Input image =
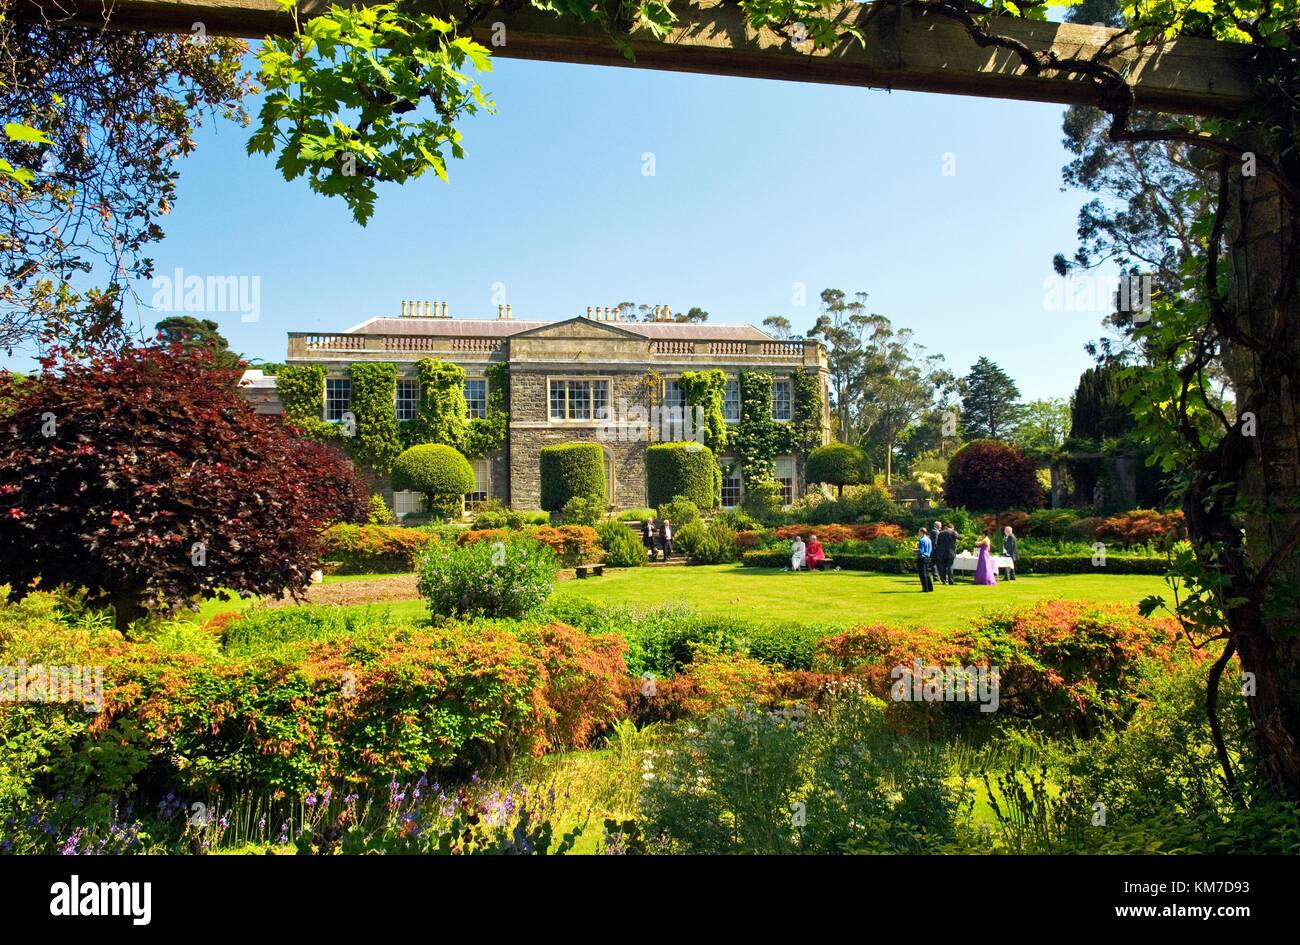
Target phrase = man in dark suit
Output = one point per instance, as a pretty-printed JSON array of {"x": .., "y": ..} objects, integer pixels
[
  {"x": 1011, "y": 549},
  {"x": 946, "y": 552},
  {"x": 934, "y": 544}
]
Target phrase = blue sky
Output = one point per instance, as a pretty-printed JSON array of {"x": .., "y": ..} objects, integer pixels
[{"x": 758, "y": 186}]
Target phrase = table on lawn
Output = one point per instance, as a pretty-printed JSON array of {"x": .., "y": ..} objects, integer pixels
[{"x": 966, "y": 562}]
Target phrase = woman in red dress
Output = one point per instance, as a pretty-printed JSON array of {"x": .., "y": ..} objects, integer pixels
[{"x": 815, "y": 554}]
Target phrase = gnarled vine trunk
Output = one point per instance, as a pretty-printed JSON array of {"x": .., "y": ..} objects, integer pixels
[{"x": 1260, "y": 322}]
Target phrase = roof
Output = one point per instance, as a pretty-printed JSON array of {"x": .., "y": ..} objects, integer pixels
[{"x": 501, "y": 328}]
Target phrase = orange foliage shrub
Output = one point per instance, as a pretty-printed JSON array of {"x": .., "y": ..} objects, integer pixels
[
  {"x": 1143, "y": 525},
  {"x": 572, "y": 544}
]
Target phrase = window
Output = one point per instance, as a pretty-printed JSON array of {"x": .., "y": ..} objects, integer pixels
[
  {"x": 408, "y": 398},
  {"x": 675, "y": 397},
  {"x": 578, "y": 400},
  {"x": 781, "y": 400},
  {"x": 476, "y": 397},
  {"x": 733, "y": 486},
  {"x": 785, "y": 476},
  {"x": 481, "y": 490},
  {"x": 731, "y": 402},
  {"x": 407, "y": 503},
  {"x": 338, "y": 398}
]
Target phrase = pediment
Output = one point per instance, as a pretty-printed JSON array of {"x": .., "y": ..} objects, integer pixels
[{"x": 581, "y": 328}]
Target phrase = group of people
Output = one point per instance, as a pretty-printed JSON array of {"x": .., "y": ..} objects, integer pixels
[
  {"x": 806, "y": 556},
  {"x": 936, "y": 552},
  {"x": 657, "y": 538}
]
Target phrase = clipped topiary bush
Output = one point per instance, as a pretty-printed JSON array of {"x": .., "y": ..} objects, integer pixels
[
  {"x": 680, "y": 511},
  {"x": 438, "y": 471},
  {"x": 583, "y": 510},
  {"x": 569, "y": 470},
  {"x": 839, "y": 465},
  {"x": 680, "y": 469},
  {"x": 503, "y": 578}
]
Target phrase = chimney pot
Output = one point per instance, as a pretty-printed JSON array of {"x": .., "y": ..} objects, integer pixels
[
  {"x": 589, "y": 311},
  {"x": 446, "y": 310},
  {"x": 509, "y": 313},
  {"x": 403, "y": 309}
]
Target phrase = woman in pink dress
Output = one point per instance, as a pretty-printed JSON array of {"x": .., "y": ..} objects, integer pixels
[{"x": 985, "y": 572}]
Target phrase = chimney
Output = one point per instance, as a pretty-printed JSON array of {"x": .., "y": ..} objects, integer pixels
[
  {"x": 615, "y": 313},
  {"x": 403, "y": 309},
  {"x": 424, "y": 309},
  {"x": 509, "y": 314},
  {"x": 589, "y": 311}
]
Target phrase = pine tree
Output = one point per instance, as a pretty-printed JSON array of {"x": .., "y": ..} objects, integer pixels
[{"x": 990, "y": 403}]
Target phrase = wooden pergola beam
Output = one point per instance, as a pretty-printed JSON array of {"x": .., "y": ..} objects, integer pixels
[{"x": 906, "y": 49}]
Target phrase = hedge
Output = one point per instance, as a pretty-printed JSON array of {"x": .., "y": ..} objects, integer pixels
[
  {"x": 572, "y": 470},
  {"x": 1028, "y": 564},
  {"x": 373, "y": 549},
  {"x": 673, "y": 469}
]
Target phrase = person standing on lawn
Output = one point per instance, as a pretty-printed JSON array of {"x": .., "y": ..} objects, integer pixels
[
  {"x": 945, "y": 550},
  {"x": 924, "y": 550},
  {"x": 1011, "y": 549},
  {"x": 934, "y": 548}
]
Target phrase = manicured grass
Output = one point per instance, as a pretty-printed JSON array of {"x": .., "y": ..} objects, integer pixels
[{"x": 845, "y": 598}]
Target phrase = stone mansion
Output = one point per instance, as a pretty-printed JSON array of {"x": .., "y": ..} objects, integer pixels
[{"x": 564, "y": 376}]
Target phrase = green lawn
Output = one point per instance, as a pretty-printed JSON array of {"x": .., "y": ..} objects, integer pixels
[{"x": 846, "y": 598}]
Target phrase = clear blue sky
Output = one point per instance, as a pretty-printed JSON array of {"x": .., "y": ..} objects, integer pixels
[{"x": 758, "y": 185}]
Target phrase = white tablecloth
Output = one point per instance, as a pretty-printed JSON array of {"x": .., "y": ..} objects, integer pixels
[{"x": 966, "y": 562}]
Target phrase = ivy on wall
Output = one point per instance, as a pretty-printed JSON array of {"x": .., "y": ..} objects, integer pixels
[
  {"x": 301, "y": 388},
  {"x": 440, "y": 417},
  {"x": 706, "y": 390},
  {"x": 805, "y": 430},
  {"x": 758, "y": 437},
  {"x": 488, "y": 433},
  {"x": 374, "y": 393}
]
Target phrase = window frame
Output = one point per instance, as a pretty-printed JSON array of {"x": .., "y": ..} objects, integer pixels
[
  {"x": 469, "y": 409},
  {"x": 567, "y": 380},
  {"x": 788, "y": 384},
  {"x": 398, "y": 399},
  {"x": 731, "y": 382},
  {"x": 325, "y": 405}
]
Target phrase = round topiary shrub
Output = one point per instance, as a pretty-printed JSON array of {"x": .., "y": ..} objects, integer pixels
[
  {"x": 503, "y": 578},
  {"x": 572, "y": 470},
  {"x": 685, "y": 469},
  {"x": 441, "y": 473},
  {"x": 839, "y": 465},
  {"x": 988, "y": 475}
]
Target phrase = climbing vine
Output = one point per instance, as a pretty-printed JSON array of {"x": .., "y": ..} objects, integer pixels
[
  {"x": 375, "y": 442},
  {"x": 805, "y": 431},
  {"x": 489, "y": 432},
  {"x": 441, "y": 415},
  {"x": 758, "y": 437},
  {"x": 706, "y": 390},
  {"x": 301, "y": 389}
]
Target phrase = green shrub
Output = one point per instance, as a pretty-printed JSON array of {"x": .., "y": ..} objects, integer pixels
[
  {"x": 634, "y": 515},
  {"x": 731, "y": 786},
  {"x": 680, "y": 469},
  {"x": 622, "y": 547},
  {"x": 572, "y": 469},
  {"x": 839, "y": 465},
  {"x": 492, "y": 514},
  {"x": 535, "y": 517},
  {"x": 738, "y": 519},
  {"x": 380, "y": 513},
  {"x": 487, "y": 578},
  {"x": 712, "y": 543},
  {"x": 583, "y": 510},
  {"x": 680, "y": 511},
  {"x": 440, "y": 473},
  {"x": 373, "y": 549},
  {"x": 763, "y": 500}
]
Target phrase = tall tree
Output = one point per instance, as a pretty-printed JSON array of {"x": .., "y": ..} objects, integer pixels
[
  {"x": 190, "y": 332},
  {"x": 1043, "y": 426},
  {"x": 116, "y": 109},
  {"x": 846, "y": 328},
  {"x": 990, "y": 402},
  {"x": 640, "y": 312},
  {"x": 903, "y": 385},
  {"x": 779, "y": 327}
]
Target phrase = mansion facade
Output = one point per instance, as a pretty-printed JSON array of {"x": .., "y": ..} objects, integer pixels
[{"x": 566, "y": 379}]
